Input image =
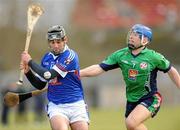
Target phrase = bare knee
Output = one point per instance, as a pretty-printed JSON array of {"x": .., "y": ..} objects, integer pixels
[
  {"x": 79, "y": 125},
  {"x": 130, "y": 124},
  {"x": 59, "y": 123},
  {"x": 59, "y": 127}
]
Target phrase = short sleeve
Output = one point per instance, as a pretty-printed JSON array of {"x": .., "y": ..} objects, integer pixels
[
  {"x": 111, "y": 59},
  {"x": 163, "y": 63},
  {"x": 110, "y": 62}
]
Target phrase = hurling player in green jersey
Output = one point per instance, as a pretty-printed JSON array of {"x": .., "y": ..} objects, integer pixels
[{"x": 139, "y": 66}]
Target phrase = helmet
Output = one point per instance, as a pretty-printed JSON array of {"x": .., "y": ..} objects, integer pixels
[
  {"x": 143, "y": 30},
  {"x": 56, "y": 32}
]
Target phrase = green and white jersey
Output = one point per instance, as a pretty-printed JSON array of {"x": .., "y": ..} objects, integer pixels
[{"x": 139, "y": 72}]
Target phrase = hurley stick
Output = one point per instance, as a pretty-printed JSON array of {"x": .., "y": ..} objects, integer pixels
[
  {"x": 33, "y": 13},
  {"x": 12, "y": 99}
]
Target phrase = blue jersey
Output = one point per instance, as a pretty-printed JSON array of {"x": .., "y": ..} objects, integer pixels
[{"x": 67, "y": 87}]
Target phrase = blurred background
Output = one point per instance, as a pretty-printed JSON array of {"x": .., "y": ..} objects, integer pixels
[{"x": 95, "y": 29}]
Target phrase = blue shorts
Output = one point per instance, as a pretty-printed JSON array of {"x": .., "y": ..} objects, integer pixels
[{"x": 152, "y": 103}]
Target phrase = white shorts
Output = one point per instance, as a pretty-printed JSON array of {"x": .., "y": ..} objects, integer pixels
[{"x": 73, "y": 112}]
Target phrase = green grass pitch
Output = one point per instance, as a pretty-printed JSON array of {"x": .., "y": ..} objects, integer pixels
[{"x": 168, "y": 118}]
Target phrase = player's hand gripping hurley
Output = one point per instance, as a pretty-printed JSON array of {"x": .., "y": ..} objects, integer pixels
[
  {"x": 33, "y": 13},
  {"x": 12, "y": 99}
]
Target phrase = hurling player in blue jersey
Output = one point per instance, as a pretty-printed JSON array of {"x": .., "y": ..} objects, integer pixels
[{"x": 60, "y": 69}]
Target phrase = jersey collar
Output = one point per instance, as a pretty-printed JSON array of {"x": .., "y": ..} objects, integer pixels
[
  {"x": 65, "y": 48},
  {"x": 55, "y": 56},
  {"x": 142, "y": 51}
]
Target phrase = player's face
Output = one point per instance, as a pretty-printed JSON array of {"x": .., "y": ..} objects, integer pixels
[
  {"x": 57, "y": 45},
  {"x": 134, "y": 39}
]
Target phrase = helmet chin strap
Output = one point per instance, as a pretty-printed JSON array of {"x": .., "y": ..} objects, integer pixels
[
  {"x": 132, "y": 47},
  {"x": 64, "y": 49}
]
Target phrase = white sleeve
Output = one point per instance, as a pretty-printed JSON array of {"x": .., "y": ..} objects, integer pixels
[{"x": 62, "y": 73}]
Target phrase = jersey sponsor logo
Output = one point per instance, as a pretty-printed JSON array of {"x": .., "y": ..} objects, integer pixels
[
  {"x": 143, "y": 65},
  {"x": 133, "y": 74},
  {"x": 54, "y": 82}
]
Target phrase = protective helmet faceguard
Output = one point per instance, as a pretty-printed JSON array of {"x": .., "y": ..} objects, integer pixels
[
  {"x": 143, "y": 31},
  {"x": 56, "y": 32}
]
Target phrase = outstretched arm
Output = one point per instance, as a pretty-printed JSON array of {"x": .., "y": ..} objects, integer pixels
[
  {"x": 91, "y": 71},
  {"x": 174, "y": 75}
]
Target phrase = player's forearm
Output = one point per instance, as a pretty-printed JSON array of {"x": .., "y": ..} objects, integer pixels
[
  {"x": 91, "y": 71},
  {"x": 43, "y": 72},
  {"x": 35, "y": 81},
  {"x": 175, "y": 77}
]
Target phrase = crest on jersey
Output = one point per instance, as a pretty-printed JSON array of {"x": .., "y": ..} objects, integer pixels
[
  {"x": 67, "y": 61},
  {"x": 143, "y": 65},
  {"x": 132, "y": 74}
]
